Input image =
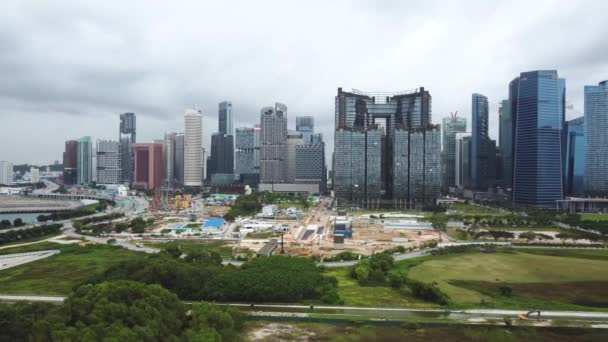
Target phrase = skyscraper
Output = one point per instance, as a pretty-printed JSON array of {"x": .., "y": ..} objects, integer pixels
[
  {"x": 70, "y": 162},
  {"x": 84, "y": 167},
  {"x": 306, "y": 126},
  {"x": 108, "y": 162},
  {"x": 127, "y": 136},
  {"x": 149, "y": 166},
  {"x": 273, "y": 141},
  {"x": 221, "y": 160},
  {"x": 574, "y": 168},
  {"x": 480, "y": 140},
  {"x": 450, "y": 127},
  {"x": 387, "y": 152},
  {"x": 310, "y": 164},
  {"x": 540, "y": 116},
  {"x": 294, "y": 139},
  {"x": 169, "y": 159},
  {"x": 178, "y": 166},
  {"x": 6, "y": 172},
  {"x": 596, "y": 128},
  {"x": 193, "y": 148},
  {"x": 505, "y": 141},
  {"x": 463, "y": 160},
  {"x": 225, "y": 120}
]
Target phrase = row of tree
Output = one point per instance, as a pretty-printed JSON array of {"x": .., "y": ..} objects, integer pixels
[
  {"x": 5, "y": 224},
  {"x": 119, "y": 311},
  {"x": 37, "y": 231}
]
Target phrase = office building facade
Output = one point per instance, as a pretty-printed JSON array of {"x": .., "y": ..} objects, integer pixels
[
  {"x": 225, "y": 118},
  {"x": 310, "y": 165},
  {"x": 193, "y": 148},
  {"x": 108, "y": 162},
  {"x": 306, "y": 126},
  {"x": 70, "y": 162},
  {"x": 294, "y": 139},
  {"x": 127, "y": 136},
  {"x": 387, "y": 152},
  {"x": 450, "y": 127},
  {"x": 505, "y": 142},
  {"x": 273, "y": 143},
  {"x": 480, "y": 152},
  {"x": 84, "y": 167},
  {"x": 221, "y": 159},
  {"x": 538, "y": 176},
  {"x": 462, "y": 172},
  {"x": 596, "y": 128},
  {"x": 149, "y": 166},
  {"x": 178, "y": 165},
  {"x": 574, "y": 168}
]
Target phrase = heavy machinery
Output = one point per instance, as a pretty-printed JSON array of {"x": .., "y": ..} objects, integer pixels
[{"x": 526, "y": 316}]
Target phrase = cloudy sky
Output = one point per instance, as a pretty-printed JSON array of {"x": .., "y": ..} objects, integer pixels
[{"x": 68, "y": 68}]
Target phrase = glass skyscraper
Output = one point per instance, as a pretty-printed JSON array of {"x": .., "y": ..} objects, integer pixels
[
  {"x": 574, "y": 169},
  {"x": 505, "y": 142},
  {"x": 127, "y": 136},
  {"x": 596, "y": 135},
  {"x": 480, "y": 164},
  {"x": 450, "y": 127},
  {"x": 538, "y": 139},
  {"x": 387, "y": 152}
]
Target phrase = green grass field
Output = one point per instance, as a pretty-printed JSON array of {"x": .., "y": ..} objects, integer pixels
[
  {"x": 565, "y": 280},
  {"x": 471, "y": 209},
  {"x": 225, "y": 250},
  {"x": 35, "y": 239},
  {"x": 355, "y": 295},
  {"x": 594, "y": 217},
  {"x": 56, "y": 275}
]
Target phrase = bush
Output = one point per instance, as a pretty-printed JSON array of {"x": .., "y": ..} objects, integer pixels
[{"x": 428, "y": 292}]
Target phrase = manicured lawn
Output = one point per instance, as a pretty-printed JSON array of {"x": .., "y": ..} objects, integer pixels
[
  {"x": 474, "y": 279},
  {"x": 56, "y": 275}
]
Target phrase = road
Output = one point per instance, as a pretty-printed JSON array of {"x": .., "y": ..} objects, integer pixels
[{"x": 375, "y": 312}]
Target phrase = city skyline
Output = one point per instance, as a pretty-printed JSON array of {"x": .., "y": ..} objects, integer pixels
[{"x": 89, "y": 87}]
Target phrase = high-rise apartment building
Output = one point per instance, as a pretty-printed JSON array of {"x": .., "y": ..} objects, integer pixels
[
  {"x": 480, "y": 139},
  {"x": 450, "y": 127},
  {"x": 149, "y": 166},
  {"x": 538, "y": 177},
  {"x": 108, "y": 162},
  {"x": 306, "y": 126},
  {"x": 193, "y": 148},
  {"x": 574, "y": 168},
  {"x": 127, "y": 136},
  {"x": 225, "y": 119},
  {"x": 34, "y": 175},
  {"x": 273, "y": 143},
  {"x": 596, "y": 135},
  {"x": 6, "y": 172},
  {"x": 505, "y": 142},
  {"x": 387, "y": 152},
  {"x": 70, "y": 162},
  {"x": 84, "y": 165}
]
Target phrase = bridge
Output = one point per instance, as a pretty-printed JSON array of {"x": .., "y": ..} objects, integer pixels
[{"x": 72, "y": 197}]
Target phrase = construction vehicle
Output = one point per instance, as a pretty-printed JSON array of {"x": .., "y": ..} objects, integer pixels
[{"x": 526, "y": 316}]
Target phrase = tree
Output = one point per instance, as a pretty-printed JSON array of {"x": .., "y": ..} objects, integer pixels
[
  {"x": 18, "y": 222},
  {"x": 120, "y": 311},
  {"x": 229, "y": 217},
  {"x": 5, "y": 224},
  {"x": 505, "y": 291}
]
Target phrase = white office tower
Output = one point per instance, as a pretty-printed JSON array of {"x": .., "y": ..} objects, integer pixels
[
  {"x": 6, "y": 172},
  {"x": 193, "y": 148},
  {"x": 108, "y": 162},
  {"x": 34, "y": 175}
]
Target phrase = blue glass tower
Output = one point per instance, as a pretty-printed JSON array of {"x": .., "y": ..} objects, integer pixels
[
  {"x": 574, "y": 171},
  {"x": 596, "y": 122},
  {"x": 538, "y": 176}
]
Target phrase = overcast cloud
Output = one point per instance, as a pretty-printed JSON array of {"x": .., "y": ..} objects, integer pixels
[{"x": 68, "y": 68}]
